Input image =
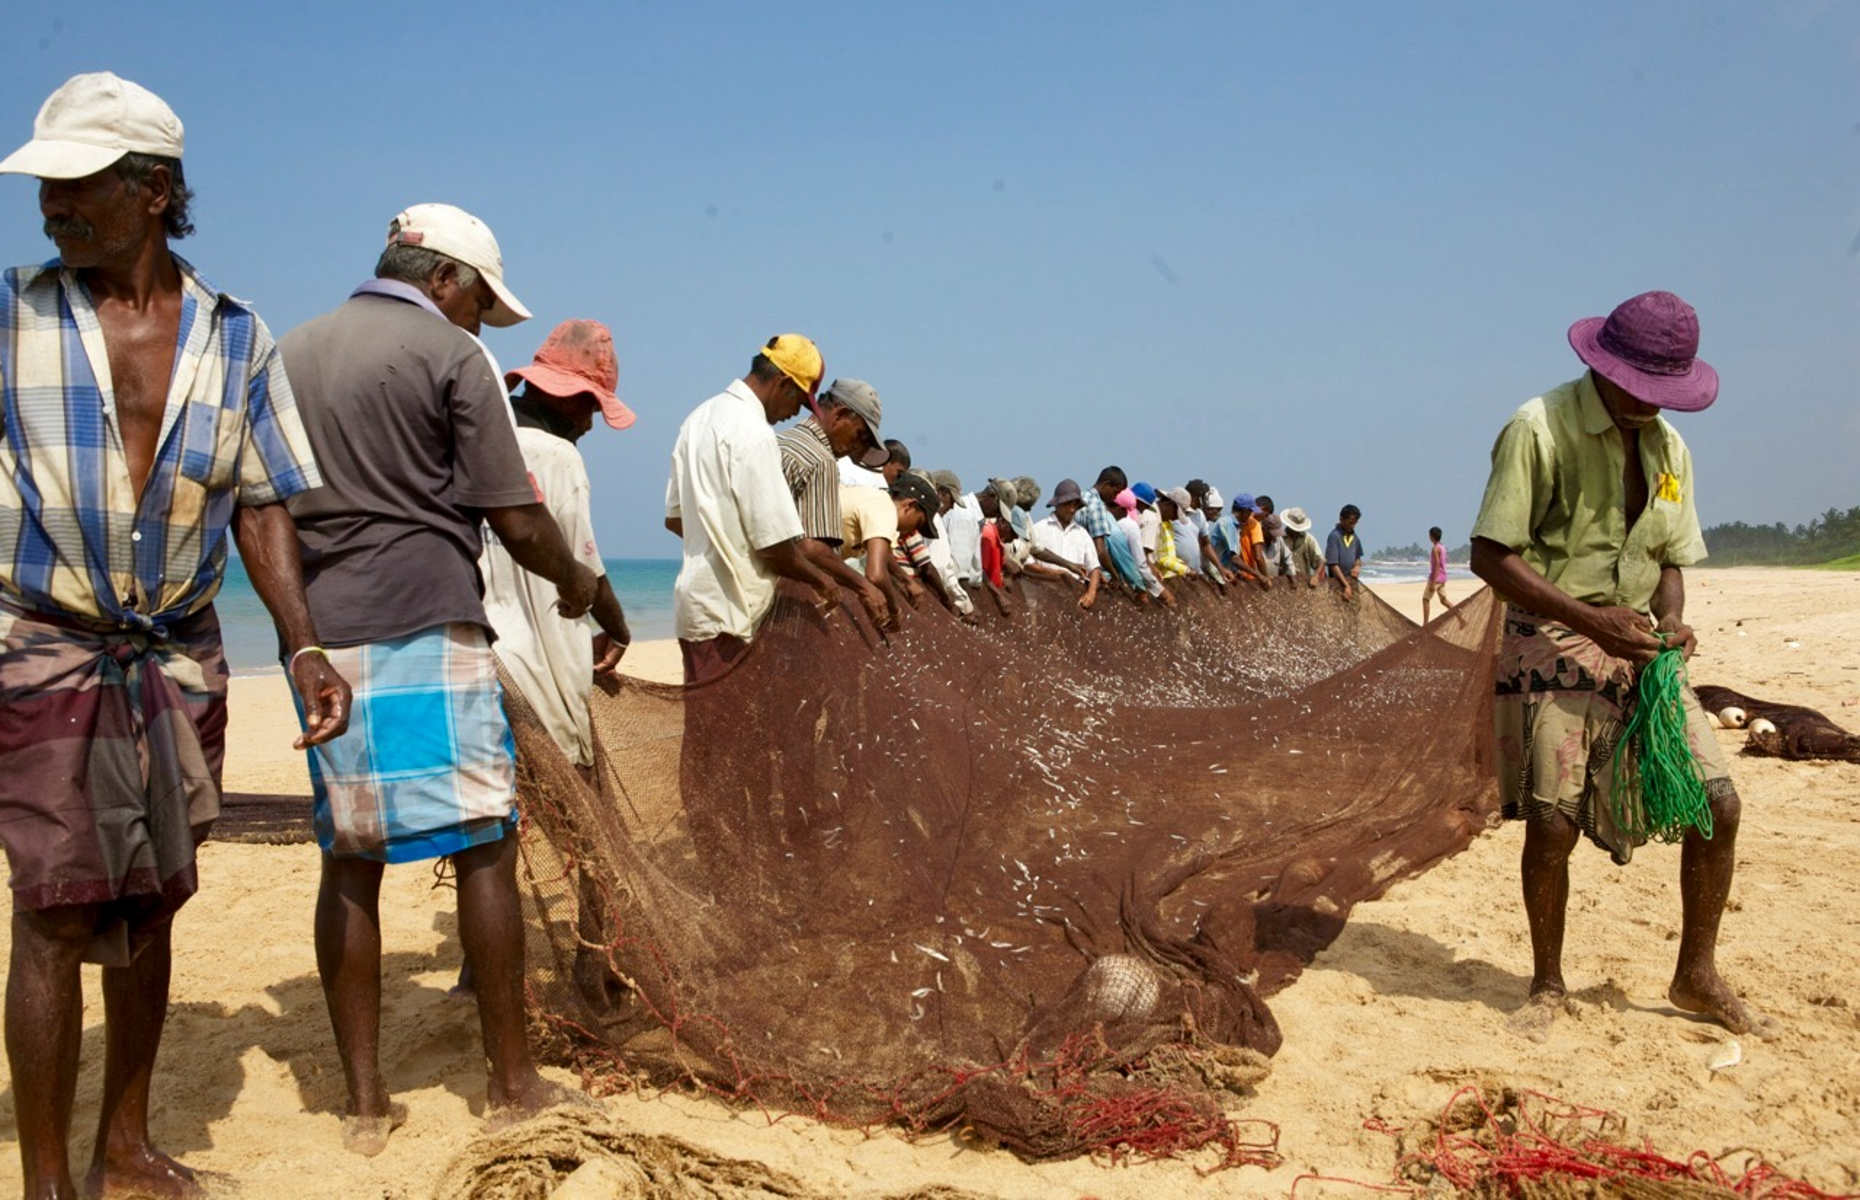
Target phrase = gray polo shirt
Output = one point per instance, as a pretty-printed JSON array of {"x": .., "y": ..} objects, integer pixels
[
  {"x": 416, "y": 433},
  {"x": 1343, "y": 550}
]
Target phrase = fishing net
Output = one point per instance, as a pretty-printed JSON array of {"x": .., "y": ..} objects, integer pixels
[
  {"x": 1033, "y": 879},
  {"x": 1794, "y": 732}
]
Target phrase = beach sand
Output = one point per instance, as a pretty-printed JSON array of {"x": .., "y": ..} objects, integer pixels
[{"x": 1411, "y": 1002}]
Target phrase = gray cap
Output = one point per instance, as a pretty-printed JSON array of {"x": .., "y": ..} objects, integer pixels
[
  {"x": 862, "y": 398},
  {"x": 1004, "y": 492},
  {"x": 947, "y": 479},
  {"x": 1182, "y": 503},
  {"x": 1026, "y": 490}
]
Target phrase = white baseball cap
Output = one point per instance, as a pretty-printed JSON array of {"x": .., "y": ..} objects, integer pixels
[
  {"x": 455, "y": 233},
  {"x": 1212, "y": 499},
  {"x": 90, "y": 122}
]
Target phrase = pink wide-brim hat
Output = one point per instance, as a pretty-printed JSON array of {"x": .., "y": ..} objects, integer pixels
[
  {"x": 578, "y": 359},
  {"x": 1649, "y": 348}
]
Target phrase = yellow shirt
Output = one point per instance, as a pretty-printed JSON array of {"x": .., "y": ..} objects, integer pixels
[
  {"x": 1556, "y": 496},
  {"x": 866, "y": 513}
]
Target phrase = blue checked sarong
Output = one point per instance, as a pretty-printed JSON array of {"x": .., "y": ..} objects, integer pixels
[{"x": 428, "y": 766}]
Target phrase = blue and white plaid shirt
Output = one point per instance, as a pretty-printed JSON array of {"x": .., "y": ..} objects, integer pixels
[
  {"x": 1096, "y": 518},
  {"x": 75, "y": 539}
]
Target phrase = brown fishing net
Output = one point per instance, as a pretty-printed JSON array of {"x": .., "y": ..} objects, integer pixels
[
  {"x": 1032, "y": 879},
  {"x": 1795, "y": 732}
]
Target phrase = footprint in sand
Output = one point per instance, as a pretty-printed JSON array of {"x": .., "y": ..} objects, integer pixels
[{"x": 1534, "y": 1020}]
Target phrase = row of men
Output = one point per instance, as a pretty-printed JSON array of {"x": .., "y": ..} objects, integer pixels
[
  {"x": 372, "y": 469},
  {"x": 831, "y": 503}
]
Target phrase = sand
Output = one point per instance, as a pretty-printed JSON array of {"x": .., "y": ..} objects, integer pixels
[{"x": 1412, "y": 1001}]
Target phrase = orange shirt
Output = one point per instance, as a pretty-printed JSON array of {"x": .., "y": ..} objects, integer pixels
[{"x": 1252, "y": 539}]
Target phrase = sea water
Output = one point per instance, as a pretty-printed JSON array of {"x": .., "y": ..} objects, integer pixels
[{"x": 644, "y": 586}]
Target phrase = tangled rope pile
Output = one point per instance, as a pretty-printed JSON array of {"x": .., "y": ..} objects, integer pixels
[
  {"x": 1521, "y": 1143},
  {"x": 1654, "y": 761}
]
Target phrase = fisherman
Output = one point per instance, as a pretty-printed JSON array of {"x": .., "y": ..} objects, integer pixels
[
  {"x": 729, "y": 503},
  {"x": 147, "y": 415},
  {"x": 1343, "y": 553},
  {"x": 1305, "y": 556},
  {"x": 419, "y": 452},
  {"x": 552, "y": 660},
  {"x": 1060, "y": 541},
  {"x": 844, "y": 424},
  {"x": 1587, "y": 525}
]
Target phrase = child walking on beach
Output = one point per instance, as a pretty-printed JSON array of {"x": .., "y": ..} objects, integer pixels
[{"x": 1436, "y": 576}]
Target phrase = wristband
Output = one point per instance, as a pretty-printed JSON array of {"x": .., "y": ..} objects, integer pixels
[{"x": 292, "y": 665}]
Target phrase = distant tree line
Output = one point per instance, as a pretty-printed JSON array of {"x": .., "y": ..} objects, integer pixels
[
  {"x": 1834, "y": 534},
  {"x": 1415, "y": 550}
]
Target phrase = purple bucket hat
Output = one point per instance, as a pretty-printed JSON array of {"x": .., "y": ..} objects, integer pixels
[{"x": 1649, "y": 347}]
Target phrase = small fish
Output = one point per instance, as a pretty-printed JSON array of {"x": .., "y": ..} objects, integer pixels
[
  {"x": 1728, "y": 1057},
  {"x": 920, "y": 993},
  {"x": 936, "y": 954}
]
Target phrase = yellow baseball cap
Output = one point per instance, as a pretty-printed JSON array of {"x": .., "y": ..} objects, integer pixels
[{"x": 799, "y": 359}]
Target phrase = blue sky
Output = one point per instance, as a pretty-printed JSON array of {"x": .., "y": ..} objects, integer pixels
[{"x": 1315, "y": 251}]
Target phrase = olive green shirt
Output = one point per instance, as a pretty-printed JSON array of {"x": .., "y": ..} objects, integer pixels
[{"x": 1557, "y": 497}]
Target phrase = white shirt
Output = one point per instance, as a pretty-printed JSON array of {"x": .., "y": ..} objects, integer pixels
[
  {"x": 1069, "y": 542},
  {"x": 1149, "y": 526},
  {"x": 964, "y": 522},
  {"x": 549, "y": 657},
  {"x": 727, "y": 488},
  {"x": 945, "y": 563},
  {"x": 854, "y": 475}
]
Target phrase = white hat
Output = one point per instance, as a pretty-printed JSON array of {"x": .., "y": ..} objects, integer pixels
[
  {"x": 1212, "y": 499},
  {"x": 90, "y": 122},
  {"x": 455, "y": 233}
]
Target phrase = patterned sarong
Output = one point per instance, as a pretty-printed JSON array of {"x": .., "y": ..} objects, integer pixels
[
  {"x": 111, "y": 745},
  {"x": 1563, "y": 703},
  {"x": 427, "y": 767}
]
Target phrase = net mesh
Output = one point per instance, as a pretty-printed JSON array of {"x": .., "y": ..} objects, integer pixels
[{"x": 1033, "y": 880}]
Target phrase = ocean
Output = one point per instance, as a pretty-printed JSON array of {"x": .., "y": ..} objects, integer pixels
[{"x": 644, "y": 586}]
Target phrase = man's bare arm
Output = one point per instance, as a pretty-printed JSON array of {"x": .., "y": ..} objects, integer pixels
[
  {"x": 267, "y": 540},
  {"x": 1669, "y": 610},
  {"x": 535, "y": 541},
  {"x": 1622, "y": 632},
  {"x": 789, "y": 561}
]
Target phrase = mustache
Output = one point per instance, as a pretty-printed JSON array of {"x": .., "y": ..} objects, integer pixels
[{"x": 70, "y": 227}]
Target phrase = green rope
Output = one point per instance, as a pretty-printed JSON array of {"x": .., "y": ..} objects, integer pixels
[{"x": 1654, "y": 760}]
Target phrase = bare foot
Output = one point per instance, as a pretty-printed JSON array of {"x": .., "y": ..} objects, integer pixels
[
  {"x": 534, "y": 1097},
  {"x": 368, "y": 1136},
  {"x": 1711, "y": 997},
  {"x": 144, "y": 1172},
  {"x": 1539, "y": 1013}
]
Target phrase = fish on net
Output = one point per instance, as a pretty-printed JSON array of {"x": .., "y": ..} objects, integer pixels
[{"x": 1034, "y": 880}]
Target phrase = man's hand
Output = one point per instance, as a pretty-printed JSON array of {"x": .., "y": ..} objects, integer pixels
[
  {"x": 607, "y": 654},
  {"x": 325, "y": 696},
  {"x": 576, "y": 596},
  {"x": 1678, "y": 634},
  {"x": 1623, "y": 633},
  {"x": 877, "y": 606},
  {"x": 1348, "y": 592}
]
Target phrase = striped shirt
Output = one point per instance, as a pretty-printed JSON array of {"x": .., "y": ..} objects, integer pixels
[
  {"x": 807, "y": 463},
  {"x": 75, "y": 539}
]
